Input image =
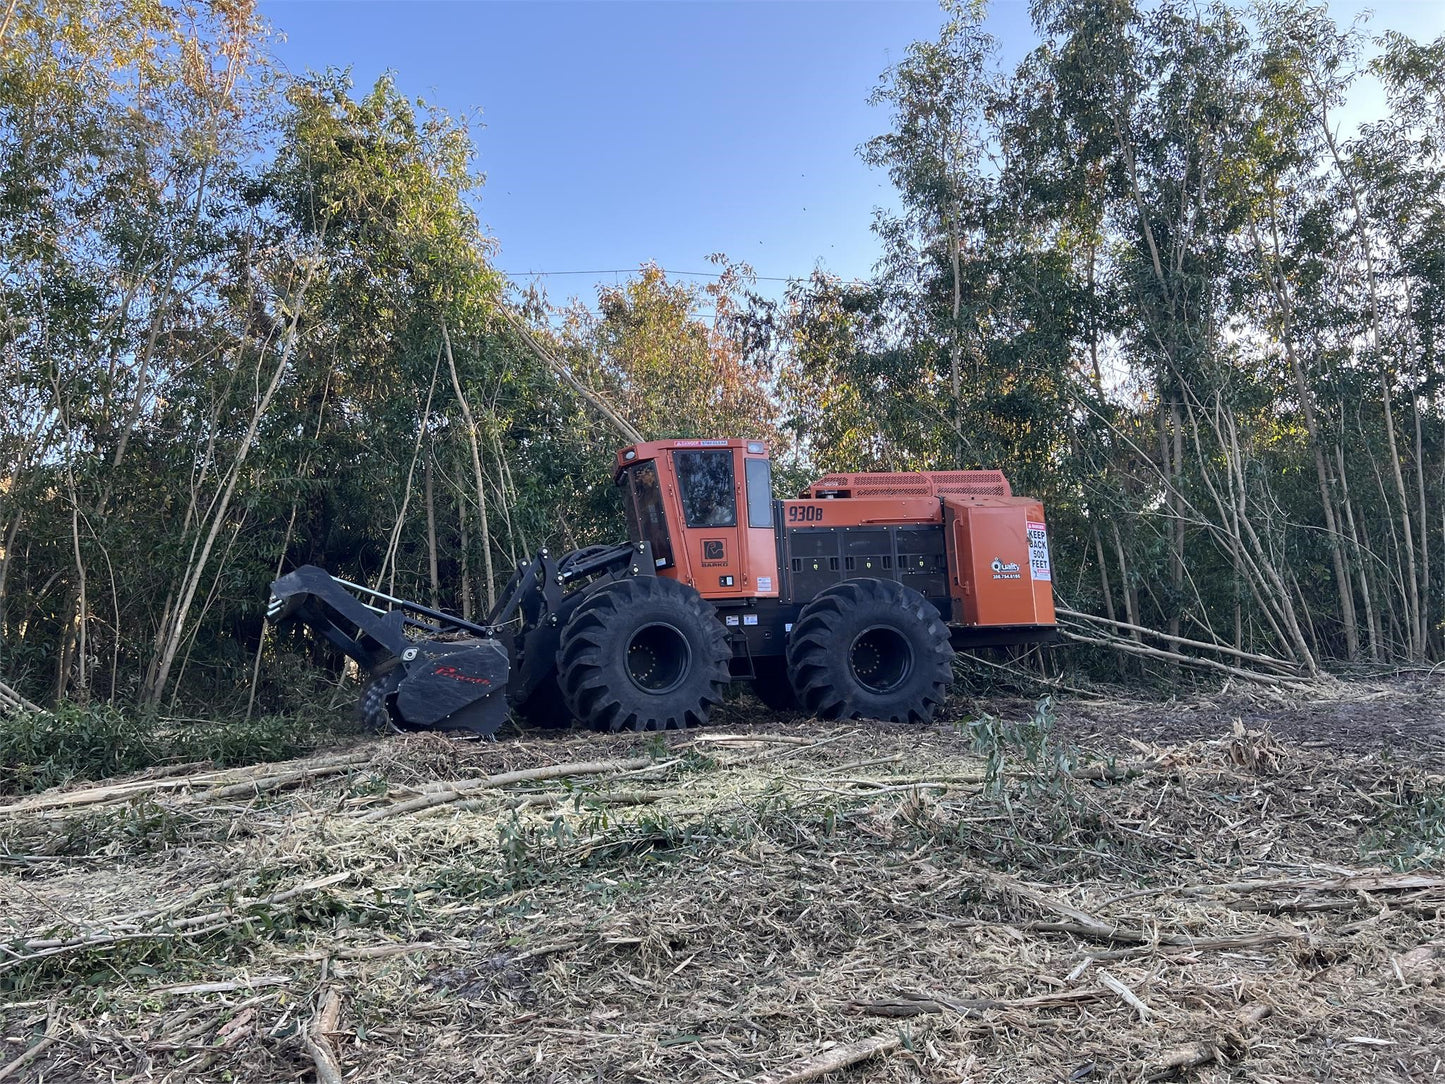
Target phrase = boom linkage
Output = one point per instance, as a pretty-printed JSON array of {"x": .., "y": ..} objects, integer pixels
[{"x": 433, "y": 668}]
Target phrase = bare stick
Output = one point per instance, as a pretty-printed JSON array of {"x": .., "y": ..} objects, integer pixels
[
  {"x": 552, "y": 801},
  {"x": 476, "y": 469},
  {"x": 274, "y": 782},
  {"x": 121, "y": 792},
  {"x": 840, "y": 1057},
  {"x": 1128, "y": 995},
  {"x": 599, "y": 404},
  {"x": 193, "y": 926},
  {"x": 26, "y": 1058},
  {"x": 1192, "y": 1055},
  {"x": 916, "y": 1004},
  {"x": 317, "y": 1038},
  {"x": 776, "y": 739},
  {"x": 464, "y": 787},
  {"x": 11, "y": 700},
  {"x": 223, "y": 987},
  {"x": 1268, "y": 660},
  {"x": 1129, "y": 647},
  {"x": 377, "y": 952}
]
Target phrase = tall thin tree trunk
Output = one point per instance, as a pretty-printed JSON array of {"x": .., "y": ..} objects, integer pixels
[
  {"x": 1131, "y": 597},
  {"x": 175, "y": 622},
  {"x": 1103, "y": 574},
  {"x": 431, "y": 531},
  {"x": 1413, "y": 620},
  {"x": 11, "y": 532},
  {"x": 955, "y": 377},
  {"x": 1413, "y": 617},
  {"x": 265, "y": 623},
  {"x": 393, "y": 544},
  {"x": 1367, "y": 594},
  {"x": 1176, "y": 564},
  {"x": 82, "y": 604},
  {"x": 466, "y": 555},
  {"x": 1425, "y": 614},
  {"x": 476, "y": 470},
  {"x": 1279, "y": 288}
]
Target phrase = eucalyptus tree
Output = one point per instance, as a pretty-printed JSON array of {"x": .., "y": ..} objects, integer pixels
[
  {"x": 122, "y": 129},
  {"x": 937, "y": 155},
  {"x": 669, "y": 370}
]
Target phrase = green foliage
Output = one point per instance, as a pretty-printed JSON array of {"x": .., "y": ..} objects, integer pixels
[
  {"x": 1031, "y": 740},
  {"x": 1033, "y": 813},
  {"x": 1411, "y": 832},
  {"x": 41, "y": 750},
  {"x": 250, "y": 321},
  {"x": 661, "y": 364}
]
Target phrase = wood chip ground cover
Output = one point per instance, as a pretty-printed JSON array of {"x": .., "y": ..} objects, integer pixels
[{"x": 1214, "y": 890}]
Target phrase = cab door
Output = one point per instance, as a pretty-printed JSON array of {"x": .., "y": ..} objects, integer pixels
[{"x": 708, "y": 488}]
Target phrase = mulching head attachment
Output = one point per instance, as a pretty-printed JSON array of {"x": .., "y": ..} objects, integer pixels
[{"x": 429, "y": 670}]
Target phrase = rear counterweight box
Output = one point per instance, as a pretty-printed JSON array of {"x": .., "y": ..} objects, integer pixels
[{"x": 998, "y": 561}]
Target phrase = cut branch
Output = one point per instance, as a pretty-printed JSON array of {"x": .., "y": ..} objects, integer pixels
[{"x": 463, "y": 788}]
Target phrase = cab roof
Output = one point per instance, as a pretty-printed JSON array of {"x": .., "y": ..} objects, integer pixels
[{"x": 651, "y": 449}]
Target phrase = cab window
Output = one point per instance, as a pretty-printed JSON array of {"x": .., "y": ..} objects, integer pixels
[
  {"x": 647, "y": 521},
  {"x": 705, "y": 483},
  {"x": 760, "y": 492}
]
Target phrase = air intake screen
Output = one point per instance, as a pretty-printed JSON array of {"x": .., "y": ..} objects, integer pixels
[{"x": 948, "y": 483}]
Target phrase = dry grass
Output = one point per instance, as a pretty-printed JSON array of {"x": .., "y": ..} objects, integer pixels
[{"x": 980, "y": 902}]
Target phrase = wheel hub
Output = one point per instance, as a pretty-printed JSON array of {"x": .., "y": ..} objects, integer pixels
[
  {"x": 658, "y": 657},
  {"x": 881, "y": 658}
]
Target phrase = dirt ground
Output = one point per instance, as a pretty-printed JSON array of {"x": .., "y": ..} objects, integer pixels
[{"x": 1244, "y": 887}]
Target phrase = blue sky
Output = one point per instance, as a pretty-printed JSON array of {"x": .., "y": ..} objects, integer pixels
[{"x": 612, "y": 133}]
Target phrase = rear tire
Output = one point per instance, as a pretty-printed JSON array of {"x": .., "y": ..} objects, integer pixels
[
  {"x": 643, "y": 654},
  {"x": 870, "y": 649}
]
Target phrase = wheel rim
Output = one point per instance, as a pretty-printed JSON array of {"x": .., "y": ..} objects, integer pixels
[
  {"x": 658, "y": 657},
  {"x": 880, "y": 658}
]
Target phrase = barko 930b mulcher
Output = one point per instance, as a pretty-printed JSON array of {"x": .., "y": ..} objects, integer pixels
[{"x": 846, "y": 602}]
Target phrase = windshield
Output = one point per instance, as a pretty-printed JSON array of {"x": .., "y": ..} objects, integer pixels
[
  {"x": 705, "y": 482},
  {"x": 646, "y": 519}
]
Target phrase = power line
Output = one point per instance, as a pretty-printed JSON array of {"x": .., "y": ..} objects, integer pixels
[{"x": 634, "y": 270}]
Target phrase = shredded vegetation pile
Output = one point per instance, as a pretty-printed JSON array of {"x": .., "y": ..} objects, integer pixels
[{"x": 765, "y": 901}]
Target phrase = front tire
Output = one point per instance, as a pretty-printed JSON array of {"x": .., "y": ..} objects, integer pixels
[
  {"x": 870, "y": 649},
  {"x": 643, "y": 654}
]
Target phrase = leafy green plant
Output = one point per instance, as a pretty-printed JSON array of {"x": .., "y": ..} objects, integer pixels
[
  {"x": 45, "y": 749},
  {"x": 1411, "y": 835},
  {"x": 1028, "y": 786}
]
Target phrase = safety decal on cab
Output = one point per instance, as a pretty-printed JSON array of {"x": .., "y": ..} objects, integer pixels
[{"x": 1039, "y": 552}]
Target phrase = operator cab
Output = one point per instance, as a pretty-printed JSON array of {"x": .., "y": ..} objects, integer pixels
[{"x": 706, "y": 509}]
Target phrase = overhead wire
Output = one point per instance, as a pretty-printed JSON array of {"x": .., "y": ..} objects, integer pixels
[
  {"x": 634, "y": 270},
  {"x": 680, "y": 274}
]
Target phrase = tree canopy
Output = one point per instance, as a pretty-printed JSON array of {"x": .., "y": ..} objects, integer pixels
[{"x": 249, "y": 320}]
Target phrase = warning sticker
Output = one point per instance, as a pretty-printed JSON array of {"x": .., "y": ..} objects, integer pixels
[{"x": 1039, "y": 552}]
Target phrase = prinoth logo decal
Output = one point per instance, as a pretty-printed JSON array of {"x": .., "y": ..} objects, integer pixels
[
  {"x": 456, "y": 675},
  {"x": 1005, "y": 570}
]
